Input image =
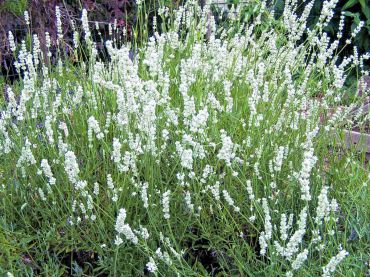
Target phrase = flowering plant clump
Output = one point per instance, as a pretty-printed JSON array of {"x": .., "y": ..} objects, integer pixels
[{"x": 202, "y": 150}]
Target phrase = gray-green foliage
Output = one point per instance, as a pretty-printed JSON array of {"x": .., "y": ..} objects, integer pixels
[{"x": 205, "y": 139}]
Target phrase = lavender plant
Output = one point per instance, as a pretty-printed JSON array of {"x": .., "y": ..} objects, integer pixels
[{"x": 206, "y": 152}]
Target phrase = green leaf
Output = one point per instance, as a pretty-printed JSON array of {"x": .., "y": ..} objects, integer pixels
[
  {"x": 349, "y": 4},
  {"x": 279, "y": 6},
  {"x": 366, "y": 44},
  {"x": 350, "y": 14},
  {"x": 365, "y": 8},
  {"x": 329, "y": 29},
  {"x": 356, "y": 17}
]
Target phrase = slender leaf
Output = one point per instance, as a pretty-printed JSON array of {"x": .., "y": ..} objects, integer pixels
[
  {"x": 365, "y": 8},
  {"x": 349, "y": 4}
]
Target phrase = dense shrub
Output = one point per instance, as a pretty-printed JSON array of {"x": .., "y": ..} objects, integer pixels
[
  {"x": 206, "y": 151},
  {"x": 354, "y": 12}
]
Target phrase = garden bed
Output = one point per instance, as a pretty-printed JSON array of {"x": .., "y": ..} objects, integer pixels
[{"x": 201, "y": 156}]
